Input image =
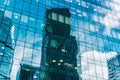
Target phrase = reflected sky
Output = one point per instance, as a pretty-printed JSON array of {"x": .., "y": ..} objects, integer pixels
[{"x": 29, "y": 20}]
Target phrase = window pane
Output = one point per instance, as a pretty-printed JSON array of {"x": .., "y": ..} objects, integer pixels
[
  {"x": 61, "y": 18},
  {"x": 54, "y": 16},
  {"x": 53, "y": 43},
  {"x": 49, "y": 15},
  {"x": 49, "y": 29},
  {"x": 67, "y": 20}
]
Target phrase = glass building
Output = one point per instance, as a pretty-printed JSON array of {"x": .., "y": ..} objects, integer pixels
[
  {"x": 93, "y": 26},
  {"x": 6, "y": 46},
  {"x": 114, "y": 68}
]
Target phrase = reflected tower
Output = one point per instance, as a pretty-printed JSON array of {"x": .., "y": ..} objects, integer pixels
[
  {"x": 114, "y": 68},
  {"x": 6, "y": 46},
  {"x": 59, "y": 48}
]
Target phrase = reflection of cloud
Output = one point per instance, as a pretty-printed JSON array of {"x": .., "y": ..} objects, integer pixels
[
  {"x": 18, "y": 56},
  {"x": 6, "y": 2},
  {"x": 94, "y": 64},
  {"x": 112, "y": 18},
  {"x": 27, "y": 53},
  {"x": 115, "y": 5},
  {"x": 17, "y": 60},
  {"x": 69, "y": 1},
  {"x": 111, "y": 22}
]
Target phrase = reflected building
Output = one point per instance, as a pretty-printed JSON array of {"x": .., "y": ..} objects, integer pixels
[
  {"x": 59, "y": 48},
  {"x": 6, "y": 46},
  {"x": 114, "y": 68},
  {"x": 27, "y": 72}
]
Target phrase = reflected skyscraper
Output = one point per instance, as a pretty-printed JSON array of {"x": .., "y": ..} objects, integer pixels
[
  {"x": 59, "y": 49},
  {"x": 114, "y": 68},
  {"x": 6, "y": 46}
]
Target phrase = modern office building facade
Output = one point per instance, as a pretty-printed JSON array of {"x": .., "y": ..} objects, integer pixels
[
  {"x": 94, "y": 24},
  {"x": 6, "y": 46},
  {"x": 114, "y": 68}
]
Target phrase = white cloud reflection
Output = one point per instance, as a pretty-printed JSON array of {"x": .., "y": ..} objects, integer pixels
[
  {"x": 94, "y": 63},
  {"x": 112, "y": 18},
  {"x": 27, "y": 55},
  {"x": 6, "y": 2},
  {"x": 18, "y": 56}
]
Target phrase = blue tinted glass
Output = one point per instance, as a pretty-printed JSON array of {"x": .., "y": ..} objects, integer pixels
[{"x": 35, "y": 47}]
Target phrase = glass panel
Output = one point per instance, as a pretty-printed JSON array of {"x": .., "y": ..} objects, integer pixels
[
  {"x": 67, "y": 20},
  {"x": 53, "y": 43},
  {"x": 54, "y": 16},
  {"x": 8, "y": 13},
  {"x": 24, "y": 19},
  {"x": 49, "y": 29},
  {"x": 61, "y": 18},
  {"x": 49, "y": 15}
]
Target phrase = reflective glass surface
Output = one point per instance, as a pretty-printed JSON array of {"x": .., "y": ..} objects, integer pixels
[{"x": 78, "y": 40}]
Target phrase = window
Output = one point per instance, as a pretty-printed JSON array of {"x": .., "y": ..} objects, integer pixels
[
  {"x": 61, "y": 18},
  {"x": 54, "y": 16},
  {"x": 101, "y": 19},
  {"x": 49, "y": 29},
  {"x": 64, "y": 49},
  {"x": 95, "y": 17},
  {"x": 118, "y": 35},
  {"x": 24, "y": 19},
  {"x": 84, "y": 14},
  {"x": 92, "y": 27},
  {"x": 4, "y": 30},
  {"x": 1, "y": 51},
  {"x": 67, "y": 20},
  {"x": 49, "y": 15},
  {"x": 53, "y": 43},
  {"x": 83, "y": 3},
  {"x": 8, "y": 13}
]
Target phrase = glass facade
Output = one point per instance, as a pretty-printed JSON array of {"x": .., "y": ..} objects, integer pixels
[
  {"x": 89, "y": 28},
  {"x": 6, "y": 46}
]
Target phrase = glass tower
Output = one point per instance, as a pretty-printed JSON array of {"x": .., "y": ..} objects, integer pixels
[
  {"x": 91, "y": 26},
  {"x": 114, "y": 68},
  {"x": 6, "y": 46}
]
